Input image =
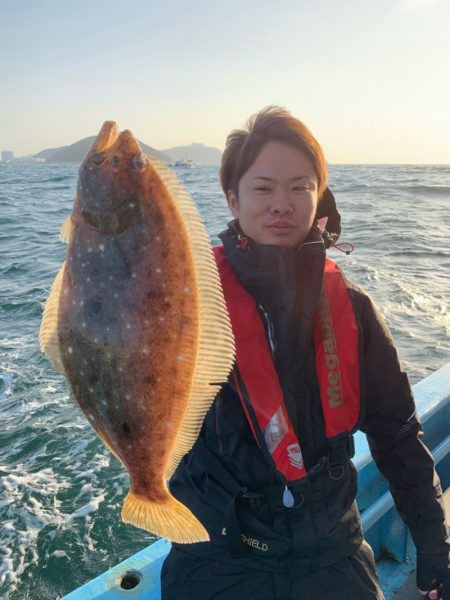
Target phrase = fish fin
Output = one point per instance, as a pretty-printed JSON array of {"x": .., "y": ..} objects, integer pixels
[
  {"x": 48, "y": 333},
  {"x": 102, "y": 435},
  {"x": 66, "y": 229},
  {"x": 215, "y": 353},
  {"x": 167, "y": 518}
]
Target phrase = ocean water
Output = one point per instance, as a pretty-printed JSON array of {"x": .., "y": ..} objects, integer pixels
[{"x": 61, "y": 491}]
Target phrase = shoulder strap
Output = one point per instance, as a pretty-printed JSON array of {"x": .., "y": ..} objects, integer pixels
[{"x": 336, "y": 342}]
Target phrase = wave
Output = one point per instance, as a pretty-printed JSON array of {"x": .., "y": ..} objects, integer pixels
[
  {"x": 6, "y": 385},
  {"x": 424, "y": 253},
  {"x": 432, "y": 190},
  {"x": 58, "y": 178},
  {"x": 21, "y": 310},
  {"x": 14, "y": 269}
]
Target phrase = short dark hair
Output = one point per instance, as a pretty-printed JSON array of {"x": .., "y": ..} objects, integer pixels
[{"x": 272, "y": 123}]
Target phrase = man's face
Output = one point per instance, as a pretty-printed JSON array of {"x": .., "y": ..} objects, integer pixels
[{"x": 277, "y": 196}]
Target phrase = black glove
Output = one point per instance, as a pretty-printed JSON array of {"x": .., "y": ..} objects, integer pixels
[{"x": 433, "y": 573}]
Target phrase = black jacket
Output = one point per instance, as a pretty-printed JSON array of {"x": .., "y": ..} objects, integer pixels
[{"x": 225, "y": 479}]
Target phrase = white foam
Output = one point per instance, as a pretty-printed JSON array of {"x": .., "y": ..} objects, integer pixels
[
  {"x": 50, "y": 389},
  {"x": 6, "y": 381},
  {"x": 84, "y": 474},
  {"x": 89, "y": 508},
  {"x": 86, "y": 488},
  {"x": 7, "y": 568},
  {"x": 32, "y": 502},
  {"x": 21, "y": 491}
]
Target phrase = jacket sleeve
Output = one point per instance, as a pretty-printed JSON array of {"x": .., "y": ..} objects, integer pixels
[{"x": 394, "y": 434}]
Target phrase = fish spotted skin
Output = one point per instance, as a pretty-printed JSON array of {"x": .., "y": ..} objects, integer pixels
[
  {"x": 128, "y": 307},
  {"x": 127, "y": 326}
]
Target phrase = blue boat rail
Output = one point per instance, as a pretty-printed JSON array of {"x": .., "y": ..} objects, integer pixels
[{"x": 138, "y": 577}]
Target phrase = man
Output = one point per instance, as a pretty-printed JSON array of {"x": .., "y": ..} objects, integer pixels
[{"x": 270, "y": 476}]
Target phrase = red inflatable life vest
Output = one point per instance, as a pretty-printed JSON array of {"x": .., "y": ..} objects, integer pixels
[{"x": 336, "y": 342}]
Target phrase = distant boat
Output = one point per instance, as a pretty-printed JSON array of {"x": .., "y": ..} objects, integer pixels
[{"x": 184, "y": 164}]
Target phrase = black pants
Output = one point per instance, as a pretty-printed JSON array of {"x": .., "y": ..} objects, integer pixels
[{"x": 187, "y": 577}]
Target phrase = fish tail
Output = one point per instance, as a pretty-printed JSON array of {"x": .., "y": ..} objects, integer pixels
[{"x": 167, "y": 518}]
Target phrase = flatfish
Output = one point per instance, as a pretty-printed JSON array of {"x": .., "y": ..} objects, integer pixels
[{"x": 137, "y": 323}]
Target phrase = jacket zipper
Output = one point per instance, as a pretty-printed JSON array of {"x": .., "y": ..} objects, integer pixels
[{"x": 270, "y": 328}]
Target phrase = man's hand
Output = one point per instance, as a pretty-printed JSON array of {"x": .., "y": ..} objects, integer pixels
[{"x": 433, "y": 575}]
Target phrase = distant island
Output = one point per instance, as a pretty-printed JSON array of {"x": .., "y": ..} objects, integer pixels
[{"x": 76, "y": 152}]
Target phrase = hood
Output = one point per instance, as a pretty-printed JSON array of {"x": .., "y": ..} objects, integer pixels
[{"x": 327, "y": 208}]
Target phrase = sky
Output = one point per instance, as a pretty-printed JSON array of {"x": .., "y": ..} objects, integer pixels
[{"x": 371, "y": 79}]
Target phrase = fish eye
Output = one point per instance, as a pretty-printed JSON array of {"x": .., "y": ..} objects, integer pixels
[
  {"x": 115, "y": 160},
  {"x": 139, "y": 162},
  {"x": 98, "y": 158}
]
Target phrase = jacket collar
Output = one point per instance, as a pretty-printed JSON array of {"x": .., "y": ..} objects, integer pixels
[
  {"x": 286, "y": 284},
  {"x": 262, "y": 264}
]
